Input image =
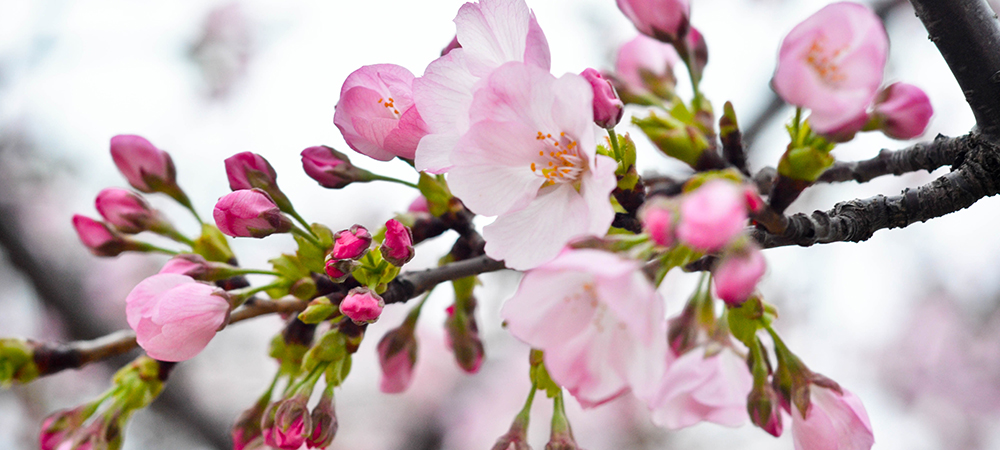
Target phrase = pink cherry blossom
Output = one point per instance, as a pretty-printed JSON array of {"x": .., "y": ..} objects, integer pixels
[
  {"x": 324, "y": 423},
  {"x": 658, "y": 223},
  {"x": 249, "y": 213},
  {"x": 903, "y": 111},
  {"x": 98, "y": 238},
  {"x": 291, "y": 424},
  {"x": 712, "y": 215},
  {"x": 144, "y": 166},
  {"x": 332, "y": 169},
  {"x": 490, "y": 33},
  {"x": 362, "y": 305},
  {"x": 247, "y": 170},
  {"x": 128, "y": 212},
  {"x": 397, "y": 247},
  {"x": 737, "y": 275},
  {"x": 174, "y": 316},
  {"x": 397, "y": 354},
  {"x": 699, "y": 387},
  {"x": 665, "y": 20},
  {"x": 832, "y": 64},
  {"x": 645, "y": 55},
  {"x": 351, "y": 243},
  {"x": 599, "y": 321},
  {"x": 376, "y": 114},
  {"x": 608, "y": 108},
  {"x": 531, "y": 160},
  {"x": 834, "y": 422}
]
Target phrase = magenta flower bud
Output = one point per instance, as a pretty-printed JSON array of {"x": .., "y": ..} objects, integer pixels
[
  {"x": 324, "y": 423},
  {"x": 397, "y": 247},
  {"x": 99, "y": 238},
  {"x": 58, "y": 427},
  {"x": 902, "y": 111},
  {"x": 753, "y": 200},
  {"x": 463, "y": 337},
  {"x": 331, "y": 168},
  {"x": 127, "y": 211},
  {"x": 174, "y": 316},
  {"x": 451, "y": 46},
  {"x": 248, "y": 170},
  {"x": 765, "y": 409},
  {"x": 608, "y": 108},
  {"x": 146, "y": 167},
  {"x": 658, "y": 223},
  {"x": 712, "y": 215},
  {"x": 247, "y": 428},
  {"x": 362, "y": 305},
  {"x": 351, "y": 243},
  {"x": 291, "y": 423},
  {"x": 737, "y": 275},
  {"x": 249, "y": 213},
  {"x": 339, "y": 269},
  {"x": 397, "y": 354},
  {"x": 666, "y": 20}
]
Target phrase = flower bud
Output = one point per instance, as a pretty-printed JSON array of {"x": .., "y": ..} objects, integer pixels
[
  {"x": 291, "y": 423},
  {"x": 248, "y": 426},
  {"x": 100, "y": 239},
  {"x": 351, "y": 243},
  {"x": 665, "y": 20},
  {"x": 463, "y": 336},
  {"x": 419, "y": 205},
  {"x": 397, "y": 247},
  {"x": 324, "y": 423},
  {"x": 340, "y": 269},
  {"x": 146, "y": 167},
  {"x": 902, "y": 111},
  {"x": 658, "y": 223},
  {"x": 516, "y": 437},
  {"x": 249, "y": 170},
  {"x": 318, "y": 310},
  {"x": 190, "y": 264},
  {"x": 397, "y": 354},
  {"x": 765, "y": 409},
  {"x": 128, "y": 212},
  {"x": 675, "y": 138},
  {"x": 59, "y": 427},
  {"x": 362, "y": 305},
  {"x": 332, "y": 169},
  {"x": 712, "y": 215},
  {"x": 17, "y": 361},
  {"x": 737, "y": 275},
  {"x": 249, "y": 213},
  {"x": 645, "y": 66},
  {"x": 608, "y": 108}
]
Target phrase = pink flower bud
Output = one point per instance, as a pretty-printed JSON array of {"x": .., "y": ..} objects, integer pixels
[
  {"x": 832, "y": 63},
  {"x": 397, "y": 354},
  {"x": 903, "y": 111},
  {"x": 248, "y": 170},
  {"x": 339, "y": 269},
  {"x": 174, "y": 316},
  {"x": 666, "y": 20},
  {"x": 376, "y": 114},
  {"x": 331, "y": 168},
  {"x": 418, "y": 205},
  {"x": 451, "y": 46},
  {"x": 608, "y": 108},
  {"x": 58, "y": 427},
  {"x": 362, "y": 305},
  {"x": 146, "y": 167},
  {"x": 765, "y": 409},
  {"x": 397, "y": 247},
  {"x": 249, "y": 213},
  {"x": 98, "y": 238},
  {"x": 190, "y": 264},
  {"x": 248, "y": 426},
  {"x": 834, "y": 420},
  {"x": 463, "y": 337},
  {"x": 737, "y": 275},
  {"x": 127, "y": 211},
  {"x": 712, "y": 215},
  {"x": 658, "y": 222},
  {"x": 291, "y": 423},
  {"x": 351, "y": 243},
  {"x": 754, "y": 202},
  {"x": 646, "y": 65},
  {"x": 324, "y": 423}
]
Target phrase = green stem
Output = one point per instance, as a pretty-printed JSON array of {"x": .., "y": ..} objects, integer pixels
[
  {"x": 241, "y": 271},
  {"x": 240, "y": 296},
  {"x": 613, "y": 138},
  {"x": 797, "y": 126},
  {"x": 147, "y": 247},
  {"x": 183, "y": 199},
  {"x": 305, "y": 224},
  {"x": 173, "y": 234},
  {"x": 307, "y": 236},
  {"x": 526, "y": 410},
  {"x": 559, "y": 421},
  {"x": 394, "y": 180}
]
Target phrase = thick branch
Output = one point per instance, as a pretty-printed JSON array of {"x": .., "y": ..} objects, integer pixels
[
  {"x": 967, "y": 34},
  {"x": 976, "y": 177}
]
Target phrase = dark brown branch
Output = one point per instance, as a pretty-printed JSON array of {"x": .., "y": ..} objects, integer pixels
[
  {"x": 413, "y": 284},
  {"x": 942, "y": 151},
  {"x": 967, "y": 34},
  {"x": 976, "y": 177}
]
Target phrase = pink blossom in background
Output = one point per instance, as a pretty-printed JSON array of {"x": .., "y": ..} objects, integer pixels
[
  {"x": 699, "y": 387},
  {"x": 174, "y": 316},
  {"x": 665, "y": 20},
  {"x": 644, "y": 55},
  {"x": 608, "y": 108},
  {"x": 97, "y": 237},
  {"x": 351, "y": 243},
  {"x": 712, "y": 215},
  {"x": 736, "y": 276},
  {"x": 903, "y": 111},
  {"x": 143, "y": 165},
  {"x": 397, "y": 247},
  {"x": 491, "y": 33},
  {"x": 832, "y": 64},
  {"x": 834, "y": 422},
  {"x": 127, "y": 211},
  {"x": 658, "y": 223},
  {"x": 247, "y": 170},
  {"x": 397, "y": 354},
  {"x": 362, "y": 305},
  {"x": 599, "y": 321},
  {"x": 531, "y": 161},
  {"x": 249, "y": 213},
  {"x": 419, "y": 205},
  {"x": 376, "y": 114}
]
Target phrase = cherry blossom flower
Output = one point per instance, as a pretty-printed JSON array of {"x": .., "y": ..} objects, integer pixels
[
  {"x": 490, "y": 33},
  {"x": 174, "y": 316},
  {"x": 712, "y": 215},
  {"x": 833, "y": 422},
  {"x": 699, "y": 387},
  {"x": 531, "y": 160},
  {"x": 737, "y": 275},
  {"x": 832, "y": 63},
  {"x": 599, "y": 321},
  {"x": 397, "y": 354},
  {"x": 665, "y": 20},
  {"x": 376, "y": 114},
  {"x": 903, "y": 111},
  {"x": 658, "y": 222},
  {"x": 397, "y": 247},
  {"x": 249, "y": 213}
]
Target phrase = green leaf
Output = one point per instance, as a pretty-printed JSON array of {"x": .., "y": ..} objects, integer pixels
[{"x": 312, "y": 257}]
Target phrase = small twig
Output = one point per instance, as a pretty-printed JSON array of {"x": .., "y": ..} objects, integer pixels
[{"x": 942, "y": 151}]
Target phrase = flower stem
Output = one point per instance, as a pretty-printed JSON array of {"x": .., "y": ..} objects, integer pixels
[
  {"x": 394, "y": 180},
  {"x": 307, "y": 236},
  {"x": 240, "y": 296},
  {"x": 613, "y": 138},
  {"x": 304, "y": 223}
]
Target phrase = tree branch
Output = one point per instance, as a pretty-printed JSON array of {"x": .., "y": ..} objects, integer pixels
[{"x": 942, "y": 151}]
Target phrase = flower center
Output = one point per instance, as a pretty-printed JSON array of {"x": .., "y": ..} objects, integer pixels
[
  {"x": 824, "y": 61},
  {"x": 389, "y": 104},
  {"x": 559, "y": 161}
]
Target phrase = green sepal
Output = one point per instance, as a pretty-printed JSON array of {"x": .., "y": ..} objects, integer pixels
[
  {"x": 436, "y": 191},
  {"x": 319, "y": 309},
  {"x": 289, "y": 356},
  {"x": 338, "y": 370},
  {"x": 804, "y": 163},
  {"x": 330, "y": 348},
  {"x": 746, "y": 319},
  {"x": 312, "y": 257},
  {"x": 137, "y": 384},
  {"x": 212, "y": 245}
]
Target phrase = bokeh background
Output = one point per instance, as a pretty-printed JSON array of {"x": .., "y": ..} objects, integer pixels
[{"x": 907, "y": 320}]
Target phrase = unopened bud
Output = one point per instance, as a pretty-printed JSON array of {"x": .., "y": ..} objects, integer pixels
[
  {"x": 658, "y": 222},
  {"x": 675, "y": 138},
  {"x": 737, "y": 274},
  {"x": 397, "y": 354},
  {"x": 248, "y": 170},
  {"x": 319, "y": 309},
  {"x": 362, "y": 305},
  {"x": 352, "y": 243},
  {"x": 17, "y": 361},
  {"x": 324, "y": 423},
  {"x": 608, "y": 107},
  {"x": 250, "y": 213},
  {"x": 397, "y": 247},
  {"x": 248, "y": 426},
  {"x": 146, "y": 167},
  {"x": 340, "y": 269},
  {"x": 765, "y": 409},
  {"x": 287, "y": 423},
  {"x": 463, "y": 336},
  {"x": 127, "y": 211},
  {"x": 100, "y": 239},
  {"x": 902, "y": 111},
  {"x": 331, "y": 168}
]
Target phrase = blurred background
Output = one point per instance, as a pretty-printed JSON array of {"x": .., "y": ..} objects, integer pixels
[{"x": 907, "y": 320}]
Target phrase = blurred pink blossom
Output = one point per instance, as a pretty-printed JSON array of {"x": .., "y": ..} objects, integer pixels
[
  {"x": 737, "y": 274},
  {"x": 127, "y": 211},
  {"x": 834, "y": 422},
  {"x": 645, "y": 59},
  {"x": 658, "y": 223},
  {"x": 666, "y": 20},
  {"x": 712, "y": 215},
  {"x": 701, "y": 387},
  {"x": 903, "y": 111}
]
